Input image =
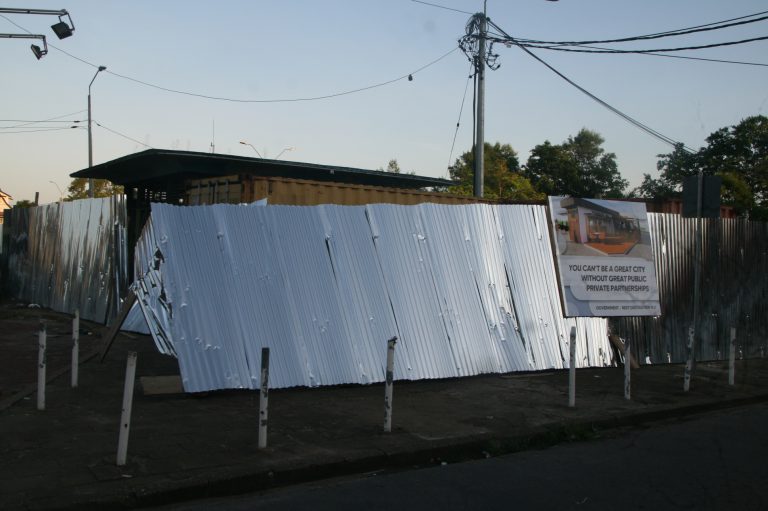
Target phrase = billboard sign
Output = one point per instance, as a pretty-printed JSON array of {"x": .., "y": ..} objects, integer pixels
[{"x": 604, "y": 257}]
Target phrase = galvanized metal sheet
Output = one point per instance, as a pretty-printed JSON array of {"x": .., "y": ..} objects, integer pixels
[
  {"x": 69, "y": 255},
  {"x": 734, "y": 290},
  {"x": 466, "y": 289}
]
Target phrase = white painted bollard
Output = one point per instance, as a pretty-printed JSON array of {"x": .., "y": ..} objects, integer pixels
[
  {"x": 732, "y": 358},
  {"x": 264, "y": 398},
  {"x": 388, "y": 385},
  {"x": 75, "y": 347},
  {"x": 41, "y": 341},
  {"x": 688, "y": 362},
  {"x": 572, "y": 370},
  {"x": 125, "y": 416},
  {"x": 627, "y": 369}
]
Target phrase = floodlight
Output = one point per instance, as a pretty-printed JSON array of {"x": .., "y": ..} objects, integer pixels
[
  {"x": 38, "y": 51},
  {"x": 61, "y": 29}
]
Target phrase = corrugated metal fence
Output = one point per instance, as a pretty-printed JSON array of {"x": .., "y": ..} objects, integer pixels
[
  {"x": 466, "y": 289},
  {"x": 734, "y": 289},
  {"x": 69, "y": 255}
]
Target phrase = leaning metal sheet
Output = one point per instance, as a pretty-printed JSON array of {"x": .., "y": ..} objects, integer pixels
[
  {"x": 69, "y": 255},
  {"x": 466, "y": 289}
]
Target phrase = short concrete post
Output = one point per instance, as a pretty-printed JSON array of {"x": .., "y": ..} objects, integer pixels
[
  {"x": 688, "y": 361},
  {"x": 389, "y": 383},
  {"x": 732, "y": 358},
  {"x": 572, "y": 370},
  {"x": 75, "y": 347},
  {"x": 41, "y": 341},
  {"x": 125, "y": 416},
  {"x": 264, "y": 398},
  {"x": 627, "y": 369}
]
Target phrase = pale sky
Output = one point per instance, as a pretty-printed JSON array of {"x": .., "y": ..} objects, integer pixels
[{"x": 265, "y": 50}]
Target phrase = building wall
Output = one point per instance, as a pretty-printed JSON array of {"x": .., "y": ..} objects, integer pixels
[{"x": 296, "y": 192}]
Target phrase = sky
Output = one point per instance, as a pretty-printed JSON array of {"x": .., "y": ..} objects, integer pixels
[{"x": 293, "y": 49}]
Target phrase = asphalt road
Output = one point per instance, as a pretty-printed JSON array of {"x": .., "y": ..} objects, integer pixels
[{"x": 713, "y": 461}]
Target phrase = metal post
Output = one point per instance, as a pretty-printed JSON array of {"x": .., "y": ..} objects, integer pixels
[
  {"x": 389, "y": 384},
  {"x": 41, "y": 341},
  {"x": 627, "y": 369},
  {"x": 480, "y": 127},
  {"x": 125, "y": 416},
  {"x": 572, "y": 370},
  {"x": 695, "y": 331},
  {"x": 688, "y": 361},
  {"x": 75, "y": 347},
  {"x": 90, "y": 142},
  {"x": 732, "y": 358},
  {"x": 90, "y": 138},
  {"x": 264, "y": 398}
]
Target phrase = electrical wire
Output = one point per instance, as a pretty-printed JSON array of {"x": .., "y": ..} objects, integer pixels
[
  {"x": 461, "y": 110},
  {"x": 671, "y": 33},
  {"x": 688, "y": 57},
  {"x": 39, "y": 130},
  {"x": 237, "y": 100},
  {"x": 683, "y": 48},
  {"x": 442, "y": 7},
  {"x": 122, "y": 135},
  {"x": 631, "y": 120},
  {"x": 27, "y": 123}
]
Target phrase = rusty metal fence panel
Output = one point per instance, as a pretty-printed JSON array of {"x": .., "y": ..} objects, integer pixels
[{"x": 734, "y": 290}]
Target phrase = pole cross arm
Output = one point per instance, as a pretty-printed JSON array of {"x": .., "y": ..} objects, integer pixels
[
  {"x": 39, "y": 52},
  {"x": 61, "y": 29}
]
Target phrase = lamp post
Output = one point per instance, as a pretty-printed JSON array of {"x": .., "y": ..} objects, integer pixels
[
  {"x": 90, "y": 138},
  {"x": 284, "y": 150},
  {"x": 61, "y": 194},
  {"x": 257, "y": 151}
]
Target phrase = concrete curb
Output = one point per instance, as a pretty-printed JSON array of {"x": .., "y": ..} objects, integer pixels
[{"x": 245, "y": 478}]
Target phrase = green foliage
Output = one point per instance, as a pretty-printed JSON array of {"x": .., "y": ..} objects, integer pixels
[
  {"x": 24, "y": 204},
  {"x": 501, "y": 180},
  {"x": 579, "y": 167},
  {"x": 78, "y": 189},
  {"x": 739, "y": 154}
]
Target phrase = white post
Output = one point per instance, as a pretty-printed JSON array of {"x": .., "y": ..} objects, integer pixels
[
  {"x": 264, "y": 398},
  {"x": 41, "y": 340},
  {"x": 75, "y": 347},
  {"x": 627, "y": 369},
  {"x": 732, "y": 358},
  {"x": 572, "y": 370},
  {"x": 125, "y": 416},
  {"x": 689, "y": 361},
  {"x": 389, "y": 381}
]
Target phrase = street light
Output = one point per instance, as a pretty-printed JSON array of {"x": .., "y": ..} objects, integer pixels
[
  {"x": 61, "y": 29},
  {"x": 257, "y": 151},
  {"x": 90, "y": 138},
  {"x": 284, "y": 150},
  {"x": 61, "y": 194}
]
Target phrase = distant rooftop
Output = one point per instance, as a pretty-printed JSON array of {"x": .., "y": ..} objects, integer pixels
[{"x": 164, "y": 164}]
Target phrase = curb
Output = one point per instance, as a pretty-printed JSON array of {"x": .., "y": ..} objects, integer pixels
[{"x": 241, "y": 479}]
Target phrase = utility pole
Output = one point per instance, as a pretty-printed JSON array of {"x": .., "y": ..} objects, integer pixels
[{"x": 480, "y": 122}]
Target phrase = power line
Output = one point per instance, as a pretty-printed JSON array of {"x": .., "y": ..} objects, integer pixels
[
  {"x": 688, "y": 57},
  {"x": 407, "y": 76},
  {"x": 39, "y": 130},
  {"x": 638, "y": 124},
  {"x": 442, "y": 7},
  {"x": 122, "y": 135},
  {"x": 461, "y": 110},
  {"x": 290, "y": 100},
  {"x": 658, "y": 35},
  {"x": 657, "y": 50},
  {"x": 51, "y": 119}
]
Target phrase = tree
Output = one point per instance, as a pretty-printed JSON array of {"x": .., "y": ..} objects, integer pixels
[
  {"x": 393, "y": 167},
  {"x": 738, "y": 154},
  {"x": 501, "y": 178},
  {"x": 24, "y": 204},
  {"x": 78, "y": 189},
  {"x": 579, "y": 167}
]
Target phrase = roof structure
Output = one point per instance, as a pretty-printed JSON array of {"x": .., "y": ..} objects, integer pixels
[
  {"x": 163, "y": 164},
  {"x": 4, "y": 197}
]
